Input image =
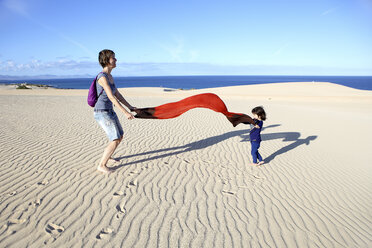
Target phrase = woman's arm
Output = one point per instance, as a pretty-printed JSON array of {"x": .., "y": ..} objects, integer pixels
[
  {"x": 105, "y": 84},
  {"x": 121, "y": 99}
]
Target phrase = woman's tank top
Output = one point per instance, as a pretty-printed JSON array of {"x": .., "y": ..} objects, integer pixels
[{"x": 103, "y": 102}]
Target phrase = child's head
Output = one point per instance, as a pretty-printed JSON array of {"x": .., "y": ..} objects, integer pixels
[{"x": 260, "y": 112}]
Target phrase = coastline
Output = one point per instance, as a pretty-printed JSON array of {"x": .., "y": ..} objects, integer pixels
[
  {"x": 202, "y": 81},
  {"x": 188, "y": 180}
]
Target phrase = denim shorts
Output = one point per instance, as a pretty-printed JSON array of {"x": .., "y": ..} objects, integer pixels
[{"x": 109, "y": 121}]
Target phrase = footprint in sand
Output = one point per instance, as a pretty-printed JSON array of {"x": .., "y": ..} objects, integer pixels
[
  {"x": 105, "y": 233},
  {"x": 54, "y": 231},
  {"x": 225, "y": 181},
  {"x": 228, "y": 192},
  {"x": 121, "y": 210},
  {"x": 134, "y": 172},
  {"x": 16, "y": 221},
  {"x": 132, "y": 183},
  {"x": 12, "y": 193},
  {"x": 35, "y": 203},
  {"x": 119, "y": 193},
  {"x": 44, "y": 182},
  {"x": 10, "y": 225}
]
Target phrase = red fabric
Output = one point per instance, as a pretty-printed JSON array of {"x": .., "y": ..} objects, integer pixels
[{"x": 207, "y": 100}]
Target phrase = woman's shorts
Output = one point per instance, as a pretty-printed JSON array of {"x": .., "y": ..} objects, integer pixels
[{"x": 109, "y": 121}]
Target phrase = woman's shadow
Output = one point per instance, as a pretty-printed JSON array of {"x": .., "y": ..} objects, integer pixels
[{"x": 204, "y": 143}]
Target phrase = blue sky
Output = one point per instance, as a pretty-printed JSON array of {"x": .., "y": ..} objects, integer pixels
[{"x": 194, "y": 37}]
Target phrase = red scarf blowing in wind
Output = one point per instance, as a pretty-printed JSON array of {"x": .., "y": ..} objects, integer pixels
[{"x": 206, "y": 100}]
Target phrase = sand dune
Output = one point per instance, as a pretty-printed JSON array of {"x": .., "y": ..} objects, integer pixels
[{"x": 187, "y": 182}]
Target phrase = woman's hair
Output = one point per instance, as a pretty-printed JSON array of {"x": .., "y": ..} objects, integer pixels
[
  {"x": 260, "y": 112},
  {"x": 104, "y": 57}
]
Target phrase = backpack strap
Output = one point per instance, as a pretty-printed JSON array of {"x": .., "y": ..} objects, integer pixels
[{"x": 101, "y": 86}]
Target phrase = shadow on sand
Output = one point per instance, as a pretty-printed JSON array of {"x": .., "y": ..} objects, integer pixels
[{"x": 244, "y": 134}]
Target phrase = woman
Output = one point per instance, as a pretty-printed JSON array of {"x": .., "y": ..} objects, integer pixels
[{"x": 103, "y": 110}]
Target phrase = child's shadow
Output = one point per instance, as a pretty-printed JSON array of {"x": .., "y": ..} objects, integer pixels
[
  {"x": 204, "y": 143},
  {"x": 287, "y": 136}
]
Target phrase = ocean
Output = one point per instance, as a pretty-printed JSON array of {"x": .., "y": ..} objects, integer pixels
[{"x": 200, "y": 82}]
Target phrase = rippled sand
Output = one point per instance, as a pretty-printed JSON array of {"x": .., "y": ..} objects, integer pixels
[{"x": 187, "y": 182}]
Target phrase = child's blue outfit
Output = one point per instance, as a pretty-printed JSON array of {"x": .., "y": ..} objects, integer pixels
[{"x": 255, "y": 137}]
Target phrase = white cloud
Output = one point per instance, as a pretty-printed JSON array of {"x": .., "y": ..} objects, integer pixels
[
  {"x": 63, "y": 67},
  {"x": 38, "y": 66}
]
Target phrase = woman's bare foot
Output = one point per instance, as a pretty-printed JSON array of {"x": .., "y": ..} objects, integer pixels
[
  {"x": 104, "y": 169},
  {"x": 253, "y": 164},
  {"x": 115, "y": 160},
  {"x": 260, "y": 163}
]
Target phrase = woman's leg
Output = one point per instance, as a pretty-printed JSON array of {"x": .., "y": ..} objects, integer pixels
[
  {"x": 110, "y": 149},
  {"x": 112, "y": 127}
]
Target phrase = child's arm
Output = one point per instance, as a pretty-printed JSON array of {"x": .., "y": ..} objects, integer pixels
[
  {"x": 246, "y": 119},
  {"x": 256, "y": 124}
]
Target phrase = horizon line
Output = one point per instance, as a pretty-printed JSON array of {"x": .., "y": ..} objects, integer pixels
[{"x": 52, "y": 76}]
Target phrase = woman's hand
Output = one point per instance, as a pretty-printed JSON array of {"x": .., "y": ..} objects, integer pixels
[{"x": 129, "y": 116}]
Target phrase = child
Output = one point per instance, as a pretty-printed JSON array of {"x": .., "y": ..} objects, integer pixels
[{"x": 259, "y": 116}]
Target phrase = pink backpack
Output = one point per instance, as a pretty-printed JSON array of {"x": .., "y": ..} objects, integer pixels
[{"x": 92, "y": 94}]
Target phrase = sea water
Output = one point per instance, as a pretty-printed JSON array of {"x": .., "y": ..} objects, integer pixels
[{"x": 200, "y": 82}]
